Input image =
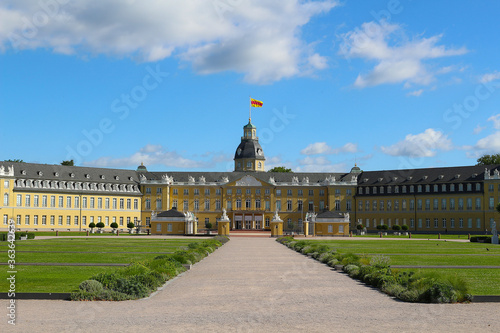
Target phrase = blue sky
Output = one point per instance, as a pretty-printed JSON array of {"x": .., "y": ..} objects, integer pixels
[{"x": 384, "y": 84}]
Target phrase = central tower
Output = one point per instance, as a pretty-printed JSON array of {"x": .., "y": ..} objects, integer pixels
[{"x": 249, "y": 155}]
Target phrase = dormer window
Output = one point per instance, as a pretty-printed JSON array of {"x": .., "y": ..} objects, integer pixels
[
  {"x": 56, "y": 174},
  {"x": 87, "y": 176},
  {"x": 40, "y": 173},
  {"x": 23, "y": 172},
  {"x": 103, "y": 177},
  {"x": 117, "y": 178},
  {"x": 72, "y": 175}
]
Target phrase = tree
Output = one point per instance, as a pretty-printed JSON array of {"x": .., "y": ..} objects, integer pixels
[
  {"x": 69, "y": 163},
  {"x": 488, "y": 159},
  {"x": 16, "y": 160},
  {"x": 114, "y": 225},
  {"x": 131, "y": 225},
  {"x": 100, "y": 225},
  {"x": 280, "y": 169}
]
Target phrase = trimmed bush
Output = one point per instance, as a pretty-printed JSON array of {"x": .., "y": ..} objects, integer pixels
[
  {"x": 100, "y": 225},
  {"x": 114, "y": 225},
  {"x": 396, "y": 227},
  {"x": 481, "y": 239},
  {"x": 91, "y": 286},
  {"x": 130, "y": 225},
  {"x": 404, "y": 227}
]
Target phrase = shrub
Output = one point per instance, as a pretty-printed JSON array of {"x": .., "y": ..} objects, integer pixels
[
  {"x": 131, "y": 225},
  {"x": 208, "y": 225},
  {"x": 404, "y": 227},
  {"x": 380, "y": 261},
  {"x": 396, "y": 227},
  {"x": 91, "y": 225},
  {"x": 114, "y": 225},
  {"x": 326, "y": 257},
  {"x": 299, "y": 245},
  {"x": 91, "y": 286},
  {"x": 352, "y": 270},
  {"x": 482, "y": 239},
  {"x": 379, "y": 227},
  {"x": 100, "y": 225},
  {"x": 222, "y": 239},
  {"x": 385, "y": 227},
  {"x": 332, "y": 262},
  {"x": 360, "y": 227}
]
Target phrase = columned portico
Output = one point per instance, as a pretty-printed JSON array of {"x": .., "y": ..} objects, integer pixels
[{"x": 248, "y": 220}]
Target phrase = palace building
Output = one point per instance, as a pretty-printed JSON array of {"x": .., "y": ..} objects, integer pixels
[{"x": 452, "y": 199}]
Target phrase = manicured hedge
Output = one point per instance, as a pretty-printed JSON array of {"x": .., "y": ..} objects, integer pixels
[
  {"x": 409, "y": 286},
  {"x": 18, "y": 235},
  {"x": 481, "y": 239},
  {"x": 139, "y": 279}
]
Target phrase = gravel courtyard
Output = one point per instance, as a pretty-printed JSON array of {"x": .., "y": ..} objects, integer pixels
[{"x": 255, "y": 285}]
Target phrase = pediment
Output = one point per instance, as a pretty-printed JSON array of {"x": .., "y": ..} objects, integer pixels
[{"x": 248, "y": 181}]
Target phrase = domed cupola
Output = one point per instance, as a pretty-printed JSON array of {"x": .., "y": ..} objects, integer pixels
[{"x": 249, "y": 155}]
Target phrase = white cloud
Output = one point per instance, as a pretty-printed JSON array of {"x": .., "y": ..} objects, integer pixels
[
  {"x": 495, "y": 120},
  {"x": 415, "y": 93},
  {"x": 158, "y": 155},
  {"x": 420, "y": 145},
  {"x": 259, "y": 38},
  {"x": 323, "y": 148},
  {"x": 319, "y": 164},
  {"x": 399, "y": 59},
  {"x": 491, "y": 143},
  {"x": 490, "y": 77},
  {"x": 478, "y": 129}
]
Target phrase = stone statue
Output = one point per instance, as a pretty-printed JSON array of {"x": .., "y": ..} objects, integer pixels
[
  {"x": 190, "y": 179},
  {"x": 224, "y": 215},
  {"x": 346, "y": 216}
]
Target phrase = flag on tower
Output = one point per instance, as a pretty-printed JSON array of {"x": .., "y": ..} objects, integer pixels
[{"x": 255, "y": 103}]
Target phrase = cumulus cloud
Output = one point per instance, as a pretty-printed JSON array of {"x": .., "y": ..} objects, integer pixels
[
  {"x": 420, "y": 145},
  {"x": 323, "y": 148},
  {"x": 319, "y": 164},
  {"x": 478, "y": 129},
  {"x": 398, "y": 58},
  {"x": 158, "y": 155},
  {"x": 495, "y": 120},
  {"x": 259, "y": 38},
  {"x": 415, "y": 93},
  {"x": 490, "y": 77}
]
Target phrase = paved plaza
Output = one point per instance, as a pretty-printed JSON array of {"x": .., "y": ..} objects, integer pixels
[{"x": 255, "y": 284}]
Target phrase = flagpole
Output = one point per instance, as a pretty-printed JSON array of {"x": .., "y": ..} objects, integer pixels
[{"x": 250, "y": 109}]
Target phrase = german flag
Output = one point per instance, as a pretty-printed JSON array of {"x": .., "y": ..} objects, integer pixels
[{"x": 255, "y": 103}]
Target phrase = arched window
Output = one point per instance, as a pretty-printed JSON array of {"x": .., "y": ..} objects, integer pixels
[{"x": 6, "y": 199}]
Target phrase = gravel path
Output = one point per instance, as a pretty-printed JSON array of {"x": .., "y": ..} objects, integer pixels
[{"x": 255, "y": 285}]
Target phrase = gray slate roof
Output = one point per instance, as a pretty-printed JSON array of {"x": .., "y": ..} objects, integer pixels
[{"x": 171, "y": 213}]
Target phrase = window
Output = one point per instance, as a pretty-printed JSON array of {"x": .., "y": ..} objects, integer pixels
[
  {"x": 403, "y": 189},
  {"x": 5, "y": 219},
  {"x": 148, "y": 190},
  {"x": 300, "y": 193},
  {"x": 76, "y": 220},
  {"x": 374, "y": 204},
  {"x": 469, "y": 203},
  {"x": 27, "y": 200},
  {"x": 229, "y": 205},
  {"x": 278, "y": 205},
  {"x": 460, "y": 187},
  {"x": 267, "y": 222},
  {"x": 382, "y": 205},
  {"x": 106, "y": 220},
  {"x": 219, "y": 207},
  {"x": 322, "y": 192},
  {"x": 60, "y": 220},
  {"x": 452, "y": 223},
  {"x": 121, "y": 220},
  {"x": 158, "y": 190},
  {"x": 6, "y": 184},
  {"x": 158, "y": 227},
  {"x": 403, "y": 204},
  {"x": 136, "y": 204},
  {"x": 389, "y": 189},
  {"x": 289, "y": 192},
  {"x": 396, "y": 204},
  {"x": 419, "y": 204},
  {"x": 147, "y": 204},
  {"x": 436, "y": 223},
  {"x": 436, "y": 188},
  {"x": 412, "y": 204},
  {"x": 337, "y": 204},
  {"x": 310, "y": 206},
  {"x": 300, "y": 205},
  {"x": 419, "y": 223},
  {"x": 158, "y": 204},
  {"x": 122, "y": 203},
  {"x": 249, "y": 164},
  {"x": 469, "y": 187},
  {"x": 381, "y": 189},
  {"x": 114, "y": 203},
  {"x": 374, "y": 189},
  {"x": 435, "y": 204},
  {"x": 478, "y": 203},
  {"x": 278, "y": 192},
  {"x": 460, "y": 203},
  {"x": 68, "y": 202},
  {"x": 77, "y": 202},
  {"x": 207, "y": 204},
  {"x": 268, "y": 205},
  {"x": 218, "y": 191},
  {"x": 52, "y": 219},
  {"x": 491, "y": 203},
  {"x": 460, "y": 223},
  {"x": 452, "y": 187},
  {"x": 469, "y": 223},
  {"x": 478, "y": 223},
  {"x": 99, "y": 203},
  {"x": 238, "y": 203},
  {"x": 44, "y": 219},
  {"x": 186, "y": 191},
  {"x": 396, "y": 189},
  {"x": 321, "y": 206},
  {"x": 348, "y": 192},
  {"x": 238, "y": 191},
  {"x": 175, "y": 191},
  {"x": 452, "y": 204},
  {"x": 389, "y": 205},
  {"x": 196, "y": 205},
  {"x": 367, "y": 205},
  {"x": 229, "y": 191},
  {"x": 360, "y": 205},
  {"x": 348, "y": 205},
  {"x": 444, "y": 223},
  {"x": 443, "y": 188},
  {"x": 36, "y": 201},
  {"x": 19, "y": 200},
  {"x": 185, "y": 205},
  {"x": 330, "y": 228},
  {"x": 68, "y": 220},
  {"x": 248, "y": 203},
  {"x": 84, "y": 220},
  {"x": 443, "y": 204},
  {"x": 412, "y": 188},
  {"x": 207, "y": 191},
  {"x": 267, "y": 191},
  {"x": 419, "y": 188},
  {"x": 412, "y": 223},
  {"x": 92, "y": 202},
  {"x": 175, "y": 204},
  {"x": 427, "y": 188},
  {"x": 6, "y": 199},
  {"x": 169, "y": 227},
  {"x": 196, "y": 191},
  {"x": 27, "y": 220},
  {"x": 311, "y": 193}
]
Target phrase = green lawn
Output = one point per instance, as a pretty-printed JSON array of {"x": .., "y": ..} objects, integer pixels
[
  {"x": 67, "y": 278},
  {"x": 482, "y": 281}
]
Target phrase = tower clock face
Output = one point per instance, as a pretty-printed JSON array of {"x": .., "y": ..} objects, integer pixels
[{"x": 239, "y": 151}]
